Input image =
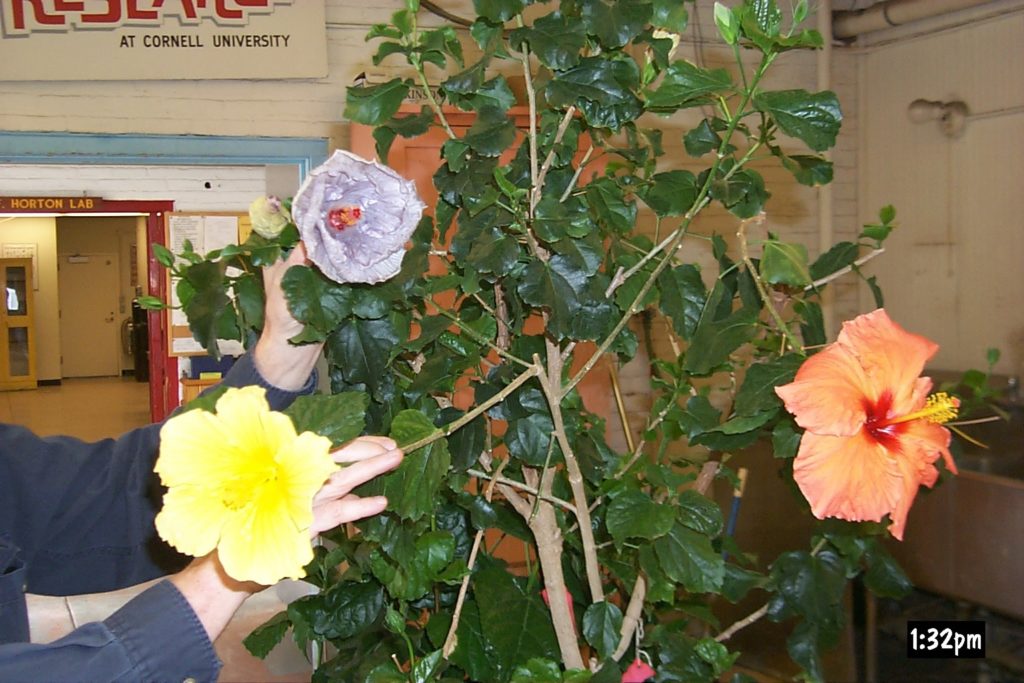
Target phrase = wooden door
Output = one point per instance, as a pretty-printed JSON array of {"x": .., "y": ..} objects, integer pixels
[
  {"x": 17, "y": 328},
  {"x": 89, "y": 324}
]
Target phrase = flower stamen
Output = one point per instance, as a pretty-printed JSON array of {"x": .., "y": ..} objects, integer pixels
[
  {"x": 939, "y": 408},
  {"x": 344, "y": 217}
]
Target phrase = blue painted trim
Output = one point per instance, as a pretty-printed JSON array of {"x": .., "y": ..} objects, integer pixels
[{"x": 159, "y": 150}]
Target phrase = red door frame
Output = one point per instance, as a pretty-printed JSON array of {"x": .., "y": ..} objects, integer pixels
[{"x": 163, "y": 368}]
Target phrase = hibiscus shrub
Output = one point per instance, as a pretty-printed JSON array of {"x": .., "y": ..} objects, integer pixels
[{"x": 524, "y": 274}]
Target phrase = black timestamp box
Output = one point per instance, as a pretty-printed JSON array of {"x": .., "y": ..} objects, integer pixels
[{"x": 946, "y": 639}]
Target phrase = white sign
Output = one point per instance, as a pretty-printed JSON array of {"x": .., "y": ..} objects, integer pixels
[{"x": 102, "y": 40}]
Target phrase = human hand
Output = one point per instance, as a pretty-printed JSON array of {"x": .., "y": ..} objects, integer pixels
[
  {"x": 283, "y": 364},
  {"x": 368, "y": 457}
]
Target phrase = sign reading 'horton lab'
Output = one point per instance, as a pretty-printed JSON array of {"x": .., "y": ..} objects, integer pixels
[{"x": 98, "y": 40}]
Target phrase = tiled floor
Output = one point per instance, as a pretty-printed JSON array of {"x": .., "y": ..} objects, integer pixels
[
  {"x": 94, "y": 409},
  {"x": 91, "y": 409}
]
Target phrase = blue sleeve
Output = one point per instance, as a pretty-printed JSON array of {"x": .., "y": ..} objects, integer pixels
[
  {"x": 154, "y": 637},
  {"x": 82, "y": 513}
]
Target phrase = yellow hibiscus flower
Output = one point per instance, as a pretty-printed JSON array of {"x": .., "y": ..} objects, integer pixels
[{"x": 241, "y": 481}]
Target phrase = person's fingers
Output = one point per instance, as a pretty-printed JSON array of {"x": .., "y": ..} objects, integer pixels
[
  {"x": 347, "y": 478},
  {"x": 364, "y": 447},
  {"x": 348, "y": 509}
]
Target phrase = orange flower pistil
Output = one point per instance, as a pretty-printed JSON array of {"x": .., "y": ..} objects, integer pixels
[{"x": 873, "y": 433}]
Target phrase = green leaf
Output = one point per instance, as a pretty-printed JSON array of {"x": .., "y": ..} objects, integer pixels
[
  {"x": 315, "y": 301},
  {"x": 414, "y": 571},
  {"x": 555, "y": 39},
  {"x": 601, "y": 625},
  {"x": 700, "y": 513},
  {"x": 757, "y": 393},
  {"x": 633, "y": 514},
  {"x": 343, "y": 611},
  {"x": 812, "y": 325},
  {"x": 267, "y": 635},
  {"x": 529, "y": 438},
  {"x": 714, "y": 340},
  {"x": 715, "y": 654},
  {"x": 339, "y": 417},
  {"x": 838, "y": 257},
  {"x": 785, "y": 440},
  {"x": 687, "y": 557},
  {"x": 884, "y": 577},
  {"x": 249, "y": 299},
  {"x": 208, "y": 307},
  {"x": 412, "y": 488},
  {"x": 670, "y": 15},
  {"x": 701, "y": 140},
  {"x": 615, "y": 22},
  {"x": 727, "y": 23},
  {"x": 546, "y": 286},
  {"x": 767, "y": 15},
  {"x": 537, "y": 670},
  {"x": 671, "y": 193},
  {"x": 813, "y": 118},
  {"x": 151, "y": 303},
  {"x": 608, "y": 205},
  {"x": 497, "y": 11},
  {"x": 602, "y": 88},
  {"x": 683, "y": 296},
  {"x": 808, "y": 585},
  {"x": 808, "y": 170},
  {"x": 876, "y": 291},
  {"x": 473, "y": 651},
  {"x": 687, "y": 85},
  {"x": 163, "y": 255},
  {"x": 785, "y": 263},
  {"x": 424, "y": 668},
  {"x": 363, "y": 349},
  {"x": 515, "y": 624},
  {"x": 375, "y": 104},
  {"x": 491, "y": 133}
]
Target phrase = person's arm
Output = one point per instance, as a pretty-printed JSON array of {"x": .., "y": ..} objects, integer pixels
[
  {"x": 166, "y": 633},
  {"x": 82, "y": 513}
]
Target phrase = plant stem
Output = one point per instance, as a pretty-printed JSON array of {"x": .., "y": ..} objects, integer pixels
[
  {"x": 577, "y": 173},
  {"x": 524, "y": 488},
  {"x": 450, "y": 641},
  {"x": 631, "y": 619},
  {"x": 551, "y": 384},
  {"x": 433, "y": 101},
  {"x": 780, "y": 324},
  {"x": 754, "y": 616},
  {"x": 820, "y": 282},
  {"x": 532, "y": 371},
  {"x": 559, "y": 134}
]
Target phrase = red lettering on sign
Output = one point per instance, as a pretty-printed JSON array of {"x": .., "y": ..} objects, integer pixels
[
  {"x": 135, "y": 13},
  {"x": 38, "y": 11},
  {"x": 111, "y": 16}
]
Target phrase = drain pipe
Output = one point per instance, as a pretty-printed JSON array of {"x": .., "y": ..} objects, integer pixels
[{"x": 889, "y": 13}]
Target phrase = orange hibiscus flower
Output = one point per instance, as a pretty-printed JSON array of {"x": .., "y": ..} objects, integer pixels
[{"x": 873, "y": 433}]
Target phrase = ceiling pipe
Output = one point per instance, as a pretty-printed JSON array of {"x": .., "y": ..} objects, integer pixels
[{"x": 847, "y": 25}]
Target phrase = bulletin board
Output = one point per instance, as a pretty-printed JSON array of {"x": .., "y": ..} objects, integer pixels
[{"x": 206, "y": 231}]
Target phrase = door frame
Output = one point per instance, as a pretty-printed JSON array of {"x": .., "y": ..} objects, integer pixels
[{"x": 130, "y": 149}]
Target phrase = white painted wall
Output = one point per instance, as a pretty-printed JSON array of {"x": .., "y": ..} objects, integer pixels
[{"x": 953, "y": 270}]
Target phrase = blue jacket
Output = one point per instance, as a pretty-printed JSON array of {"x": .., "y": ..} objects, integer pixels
[{"x": 77, "y": 517}]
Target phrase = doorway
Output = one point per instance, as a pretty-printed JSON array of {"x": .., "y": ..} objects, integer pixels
[
  {"x": 89, "y": 323},
  {"x": 17, "y": 346}
]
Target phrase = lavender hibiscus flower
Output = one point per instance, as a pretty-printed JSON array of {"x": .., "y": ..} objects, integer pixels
[{"x": 355, "y": 217}]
